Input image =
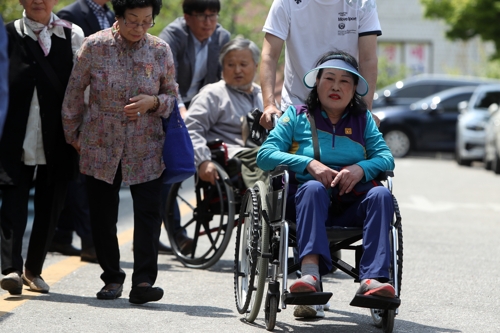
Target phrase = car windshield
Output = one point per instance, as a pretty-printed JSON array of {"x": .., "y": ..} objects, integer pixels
[{"x": 486, "y": 99}]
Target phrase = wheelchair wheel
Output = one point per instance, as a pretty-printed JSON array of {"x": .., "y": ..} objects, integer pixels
[
  {"x": 205, "y": 229},
  {"x": 271, "y": 315},
  {"x": 246, "y": 250},
  {"x": 262, "y": 263},
  {"x": 385, "y": 318}
]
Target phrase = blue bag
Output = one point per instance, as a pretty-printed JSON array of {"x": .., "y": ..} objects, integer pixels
[{"x": 178, "y": 153}]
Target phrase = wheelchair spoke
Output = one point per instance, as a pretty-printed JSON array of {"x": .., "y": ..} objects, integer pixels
[
  {"x": 188, "y": 223},
  {"x": 195, "y": 240},
  {"x": 207, "y": 227},
  {"x": 187, "y": 203}
]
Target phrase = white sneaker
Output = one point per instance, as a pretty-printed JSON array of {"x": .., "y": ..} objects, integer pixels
[
  {"x": 326, "y": 306},
  {"x": 308, "y": 311}
]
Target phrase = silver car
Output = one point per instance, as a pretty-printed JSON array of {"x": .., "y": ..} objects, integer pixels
[
  {"x": 492, "y": 141},
  {"x": 472, "y": 122}
]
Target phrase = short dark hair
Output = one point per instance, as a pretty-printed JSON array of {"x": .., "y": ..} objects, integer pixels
[
  {"x": 357, "y": 105},
  {"x": 199, "y": 6},
  {"x": 119, "y": 6}
]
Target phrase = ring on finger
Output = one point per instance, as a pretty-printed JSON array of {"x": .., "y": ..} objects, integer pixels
[{"x": 138, "y": 114}]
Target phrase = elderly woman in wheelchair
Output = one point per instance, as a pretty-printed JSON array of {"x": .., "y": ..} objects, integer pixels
[
  {"x": 335, "y": 152},
  {"x": 217, "y": 124}
]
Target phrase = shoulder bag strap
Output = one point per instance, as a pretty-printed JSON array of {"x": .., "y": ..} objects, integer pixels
[
  {"x": 47, "y": 68},
  {"x": 314, "y": 133}
]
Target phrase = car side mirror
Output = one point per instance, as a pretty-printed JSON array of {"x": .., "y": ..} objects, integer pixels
[
  {"x": 462, "y": 106},
  {"x": 493, "y": 108}
]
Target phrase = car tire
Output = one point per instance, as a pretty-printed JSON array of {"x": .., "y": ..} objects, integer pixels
[
  {"x": 461, "y": 161},
  {"x": 398, "y": 142},
  {"x": 495, "y": 164},
  {"x": 487, "y": 165}
]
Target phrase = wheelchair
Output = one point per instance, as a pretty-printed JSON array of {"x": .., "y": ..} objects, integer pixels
[
  {"x": 263, "y": 240},
  {"x": 208, "y": 212}
]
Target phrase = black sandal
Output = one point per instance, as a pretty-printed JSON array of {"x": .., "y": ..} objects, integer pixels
[{"x": 110, "y": 291}]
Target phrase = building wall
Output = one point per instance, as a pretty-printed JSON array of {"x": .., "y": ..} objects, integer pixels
[{"x": 421, "y": 45}]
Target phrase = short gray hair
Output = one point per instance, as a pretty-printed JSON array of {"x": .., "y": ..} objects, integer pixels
[{"x": 240, "y": 43}]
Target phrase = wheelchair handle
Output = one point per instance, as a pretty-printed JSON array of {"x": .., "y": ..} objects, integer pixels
[{"x": 275, "y": 120}]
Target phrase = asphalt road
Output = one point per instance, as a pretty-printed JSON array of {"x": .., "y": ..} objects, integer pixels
[{"x": 451, "y": 275}]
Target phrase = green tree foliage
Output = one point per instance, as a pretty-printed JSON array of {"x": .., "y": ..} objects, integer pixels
[
  {"x": 468, "y": 18},
  {"x": 10, "y": 10}
]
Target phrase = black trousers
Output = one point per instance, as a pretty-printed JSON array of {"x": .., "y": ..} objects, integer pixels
[
  {"x": 49, "y": 201},
  {"x": 103, "y": 204},
  {"x": 75, "y": 215}
]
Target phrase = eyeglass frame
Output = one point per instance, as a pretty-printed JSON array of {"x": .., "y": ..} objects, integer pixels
[
  {"x": 202, "y": 17},
  {"x": 134, "y": 25}
]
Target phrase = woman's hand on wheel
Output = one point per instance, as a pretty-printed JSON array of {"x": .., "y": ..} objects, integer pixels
[
  {"x": 208, "y": 172},
  {"x": 138, "y": 106},
  {"x": 321, "y": 173},
  {"x": 347, "y": 178}
]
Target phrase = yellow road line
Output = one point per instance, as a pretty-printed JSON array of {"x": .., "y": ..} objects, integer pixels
[
  {"x": 53, "y": 274},
  {"x": 57, "y": 271}
]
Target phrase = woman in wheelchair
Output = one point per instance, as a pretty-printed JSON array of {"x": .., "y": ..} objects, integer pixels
[
  {"x": 218, "y": 109},
  {"x": 333, "y": 147}
]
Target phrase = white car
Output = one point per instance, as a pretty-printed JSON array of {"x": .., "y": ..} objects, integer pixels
[
  {"x": 472, "y": 122},
  {"x": 492, "y": 141}
]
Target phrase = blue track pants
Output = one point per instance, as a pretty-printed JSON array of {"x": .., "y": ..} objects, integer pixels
[{"x": 373, "y": 212}]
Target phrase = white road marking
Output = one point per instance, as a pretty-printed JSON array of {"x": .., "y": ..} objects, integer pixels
[{"x": 421, "y": 203}]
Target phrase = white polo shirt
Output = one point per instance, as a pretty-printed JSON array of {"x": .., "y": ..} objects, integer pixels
[{"x": 311, "y": 28}]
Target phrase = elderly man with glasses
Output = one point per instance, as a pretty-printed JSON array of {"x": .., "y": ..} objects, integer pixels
[{"x": 195, "y": 40}]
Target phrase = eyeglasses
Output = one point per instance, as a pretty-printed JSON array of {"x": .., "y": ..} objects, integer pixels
[
  {"x": 135, "y": 25},
  {"x": 203, "y": 17}
]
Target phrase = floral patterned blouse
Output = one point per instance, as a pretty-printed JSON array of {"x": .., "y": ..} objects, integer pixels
[{"x": 117, "y": 71}]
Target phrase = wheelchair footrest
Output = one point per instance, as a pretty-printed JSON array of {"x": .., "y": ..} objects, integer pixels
[
  {"x": 307, "y": 298},
  {"x": 375, "y": 302}
]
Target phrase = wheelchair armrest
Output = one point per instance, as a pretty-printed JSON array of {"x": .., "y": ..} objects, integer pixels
[
  {"x": 385, "y": 174},
  {"x": 279, "y": 170},
  {"x": 219, "y": 151},
  {"x": 214, "y": 143}
]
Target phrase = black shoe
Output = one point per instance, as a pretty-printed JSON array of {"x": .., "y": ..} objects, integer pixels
[
  {"x": 89, "y": 255},
  {"x": 185, "y": 243},
  {"x": 65, "y": 249},
  {"x": 141, "y": 295},
  {"x": 164, "y": 249},
  {"x": 110, "y": 291}
]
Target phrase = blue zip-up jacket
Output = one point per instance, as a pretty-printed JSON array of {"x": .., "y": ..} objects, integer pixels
[{"x": 353, "y": 140}]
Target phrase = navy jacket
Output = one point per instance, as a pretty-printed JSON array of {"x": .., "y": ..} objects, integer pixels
[{"x": 82, "y": 15}]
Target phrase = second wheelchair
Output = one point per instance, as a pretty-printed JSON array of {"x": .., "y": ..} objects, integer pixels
[{"x": 208, "y": 212}]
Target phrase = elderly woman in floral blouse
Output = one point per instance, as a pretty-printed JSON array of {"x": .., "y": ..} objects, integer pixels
[{"x": 132, "y": 84}]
